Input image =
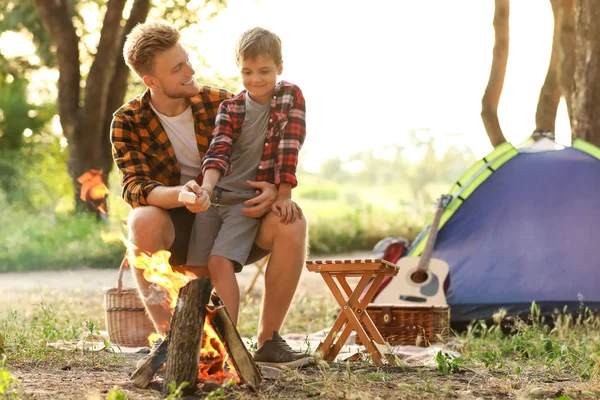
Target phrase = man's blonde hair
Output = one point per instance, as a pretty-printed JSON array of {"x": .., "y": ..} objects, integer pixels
[
  {"x": 144, "y": 42},
  {"x": 258, "y": 42}
]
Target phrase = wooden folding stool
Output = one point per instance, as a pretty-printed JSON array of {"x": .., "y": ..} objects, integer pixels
[
  {"x": 353, "y": 307},
  {"x": 260, "y": 265}
]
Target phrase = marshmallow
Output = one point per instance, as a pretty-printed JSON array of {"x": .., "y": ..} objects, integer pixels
[{"x": 187, "y": 197}]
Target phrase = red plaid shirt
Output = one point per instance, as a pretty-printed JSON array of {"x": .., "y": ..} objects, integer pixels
[
  {"x": 286, "y": 131},
  {"x": 142, "y": 150}
]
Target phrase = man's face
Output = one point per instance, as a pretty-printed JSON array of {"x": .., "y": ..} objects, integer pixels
[
  {"x": 173, "y": 74},
  {"x": 259, "y": 76}
]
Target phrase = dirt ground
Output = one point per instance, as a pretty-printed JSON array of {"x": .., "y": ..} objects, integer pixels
[
  {"x": 88, "y": 380},
  {"x": 85, "y": 382},
  {"x": 86, "y": 279}
]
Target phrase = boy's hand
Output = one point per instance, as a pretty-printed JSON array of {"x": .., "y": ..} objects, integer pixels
[
  {"x": 202, "y": 201},
  {"x": 261, "y": 204},
  {"x": 287, "y": 210}
]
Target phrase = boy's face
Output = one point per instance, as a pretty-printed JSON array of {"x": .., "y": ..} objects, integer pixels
[
  {"x": 173, "y": 74},
  {"x": 259, "y": 76}
]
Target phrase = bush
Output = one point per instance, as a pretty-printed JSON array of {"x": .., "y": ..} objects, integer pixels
[
  {"x": 54, "y": 241},
  {"x": 318, "y": 193},
  {"x": 358, "y": 229}
]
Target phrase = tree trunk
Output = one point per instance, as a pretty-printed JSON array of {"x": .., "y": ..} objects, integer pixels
[
  {"x": 86, "y": 126},
  {"x": 491, "y": 97},
  {"x": 84, "y": 148},
  {"x": 186, "y": 333},
  {"x": 56, "y": 16},
  {"x": 566, "y": 68},
  {"x": 545, "y": 115},
  {"x": 586, "y": 112},
  {"x": 118, "y": 83}
]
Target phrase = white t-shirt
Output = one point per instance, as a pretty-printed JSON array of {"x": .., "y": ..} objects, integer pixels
[{"x": 181, "y": 133}]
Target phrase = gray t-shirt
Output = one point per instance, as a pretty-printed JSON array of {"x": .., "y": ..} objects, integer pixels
[{"x": 247, "y": 149}]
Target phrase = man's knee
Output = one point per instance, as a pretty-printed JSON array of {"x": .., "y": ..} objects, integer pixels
[
  {"x": 296, "y": 231},
  {"x": 149, "y": 223}
]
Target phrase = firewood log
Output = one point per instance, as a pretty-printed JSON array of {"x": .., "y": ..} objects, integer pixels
[
  {"x": 187, "y": 326},
  {"x": 239, "y": 354}
]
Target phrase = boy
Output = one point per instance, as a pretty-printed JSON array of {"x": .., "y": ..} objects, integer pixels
[{"x": 257, "y": 136}]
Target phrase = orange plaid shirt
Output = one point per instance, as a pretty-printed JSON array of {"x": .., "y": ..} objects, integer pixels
[{"x": 141, "y": 147}]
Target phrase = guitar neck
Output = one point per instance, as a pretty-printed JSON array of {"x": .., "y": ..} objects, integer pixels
[{"x": 432, "y": 235}]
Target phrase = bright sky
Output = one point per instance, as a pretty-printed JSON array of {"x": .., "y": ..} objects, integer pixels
[{"x": 372, "y": 70}]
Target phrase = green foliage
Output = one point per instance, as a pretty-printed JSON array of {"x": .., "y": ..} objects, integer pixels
[
  {"x": 447, "y": 364},
  {"x": 570, "y": 346},
  {"x": 318, "y": 192},
  {"x": 16, "y": 113},
  {"x": 7, "y": 385},
  {"x": 176, "y": 392},
  {"x": 54, "y": 241},
  {"x": 22, "y": 15},
  {"x": 357, "y": 229},
  {"x": 34, "y": 179},
  {"x": 116, "y": 394},
  {"x": 220, "y": 393}
]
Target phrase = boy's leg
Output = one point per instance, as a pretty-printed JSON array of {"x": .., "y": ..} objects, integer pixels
[
  {"x": 224, "y": 281},
  {"x": 288, "y": 254}
]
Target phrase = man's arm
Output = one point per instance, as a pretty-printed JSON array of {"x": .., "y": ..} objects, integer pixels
[{"x": 134, "y": 171}]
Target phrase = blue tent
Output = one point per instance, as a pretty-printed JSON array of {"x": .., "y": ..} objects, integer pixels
[{"x": 523, "y": 226}]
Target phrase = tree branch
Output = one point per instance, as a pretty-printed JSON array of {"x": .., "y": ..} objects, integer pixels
[
  {"x": 56, "y": 17},
  {"x": 118, "y": 82},
  {"x": 491, "y": 97},
  {"x": 545, "y": 115},
  {"x": 96, "y": 91},
  {"x": 566, "y": 68}
]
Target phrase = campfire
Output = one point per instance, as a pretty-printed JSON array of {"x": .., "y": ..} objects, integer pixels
[{"x": 216, "y": 355}]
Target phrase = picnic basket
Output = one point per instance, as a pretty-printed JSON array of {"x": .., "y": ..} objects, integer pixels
[
  {"x": 127, "y": 323},
  {"x": 419, "y": 325}
]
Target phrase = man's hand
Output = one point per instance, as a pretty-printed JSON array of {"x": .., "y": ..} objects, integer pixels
[
  {"x": 287, "y": 209},
  {"x": 202, "y": 202},
  {"x": 261, "y": 204}
]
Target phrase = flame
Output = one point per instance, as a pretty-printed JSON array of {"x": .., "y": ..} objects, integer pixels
[
  {"x": 94, "y": 189},
  {"x": 155, "y": 266},
  {"x": 153, "y": 337},
  {"x": 214, "y": 365},
  {"x": 214, "y": 358}
]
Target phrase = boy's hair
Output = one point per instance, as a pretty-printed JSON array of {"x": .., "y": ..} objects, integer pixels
[
  {"x": 144, "y": 42},
  {"x": 258, "y": 42}
]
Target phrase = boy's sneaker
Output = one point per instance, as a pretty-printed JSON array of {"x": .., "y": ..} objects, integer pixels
[
  {"x": 277, "y": 353},
  {"x": 155, "y": 345}
]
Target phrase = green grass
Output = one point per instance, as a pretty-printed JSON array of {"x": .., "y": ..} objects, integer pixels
[
  {"x": 532, "y": 361},
  {"x": 56, "y": 241},
  {"x": 45, "y": 240}
]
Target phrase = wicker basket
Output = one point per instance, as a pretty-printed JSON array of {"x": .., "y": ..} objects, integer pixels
[
  {"x": 126, "y": 319},
  {"x": 411, "y": 325}
]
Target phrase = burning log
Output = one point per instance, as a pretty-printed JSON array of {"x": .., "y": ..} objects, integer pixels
[
  {"x": 201, "y": 341},
  {"x": 142, "y": 376},
  {"x": 239, "y": 354},
  {"x": 187, "y": 326},
  {"x": 183, "y": 341}
]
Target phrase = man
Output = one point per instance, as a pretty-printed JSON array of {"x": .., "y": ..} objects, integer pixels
[{"x": 158, "y": 141}]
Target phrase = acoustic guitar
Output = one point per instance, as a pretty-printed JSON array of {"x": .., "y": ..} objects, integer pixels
[{"x": 420, "y": 279}]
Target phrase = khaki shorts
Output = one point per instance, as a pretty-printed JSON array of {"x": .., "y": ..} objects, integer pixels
[{"x": 223, "y": 230}]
